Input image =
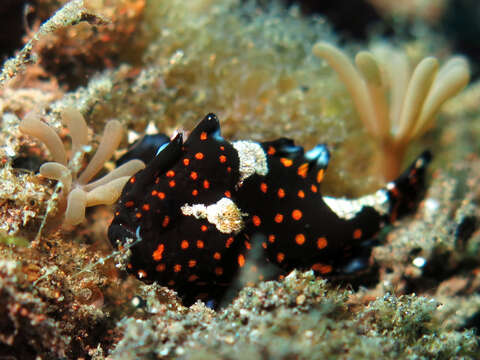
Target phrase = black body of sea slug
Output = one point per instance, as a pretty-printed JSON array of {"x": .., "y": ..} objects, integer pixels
[{"x": 194, "y": 211}]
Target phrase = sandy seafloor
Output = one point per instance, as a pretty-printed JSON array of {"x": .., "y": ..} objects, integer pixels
[{"x": 168, "y": 63}]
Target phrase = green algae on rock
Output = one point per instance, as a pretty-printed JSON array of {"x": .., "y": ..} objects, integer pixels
[{"x": 299, "y": 317}]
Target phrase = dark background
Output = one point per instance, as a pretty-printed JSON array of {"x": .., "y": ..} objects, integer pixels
[{"x": 352, "y": 19}]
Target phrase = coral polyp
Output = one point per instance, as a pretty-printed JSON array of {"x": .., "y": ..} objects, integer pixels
[
  {"x": 78, "y": 191},
  {"x": 395, "y": 105}
]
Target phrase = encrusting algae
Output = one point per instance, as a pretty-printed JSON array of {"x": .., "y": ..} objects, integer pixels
[{"x": 253, "y": 65}]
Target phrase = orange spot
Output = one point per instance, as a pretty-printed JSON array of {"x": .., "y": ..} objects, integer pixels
[
  {"x": 229, "y": 169},
  {"x": 222, "y": 148},
  {"x": 184, "y": 245},
  {"x": 158, "y": 254},
  {"x": 160, "y": 267},
  {"x": 132, "y": 180},
  {"x": 241, "y": 260},
  {"x": 322, "y": 268},
  {"x": 186, "y": 162},
  {"x": 129, "y": 204},
  {"x": 271, "y": 150},
  {"x": 320, "y": 175},
  {"x": 322, "y": 243},
  {"x": 222, "y": 158},
  {"x": 203, "y": 136},
  {"x": 161, "y": 195},
  {"x": 278, "y": 218},
  {"x": 263, "y": 187},
  {"x": 228, "y": 194},
  {"x": 281, "y": 193},
  {"x": 200, "y": 244},
  {"x": 286, "y": 162},
  {"x": 177, "y": 268},
  {"x": 154, "y": 192},
  {"x": 157, "y": 180},
  {"x": 206, "y": 184},
  {"x": 248, "y": 246},
  {"x": 193, "y": 175},
  {"x": 195, "y": 192},
  {"x": 256, "y": 220},
  {"x": 171, "y": 183},
  {"x": 138, "y": 215},
  {"x": 165, "y": 221},
  {"x": 199, "y": 156},
  {"x": 280, "y": 257},
  {"x": 302, "y": 170},
  {"x": 394, "y": 192},
  {"x": 146, "y": 207},
  {"x": 296, "y": 214},
  {"x": 229, "y": 242},
  {"x": 170, "y": 173},
  {"x": 192, "y": 263},
  {"x": 301, "y": 194},
  {"x": 204, "y": 228},
  {"x": 357, "y": 234},
  {"x": 271, "y": 238},
  {"x": 264, "y": 245},
  {"x": 314, "y": 188},
  {"x": 217, "y": 256},
  {"x": 142, "y": 274},
  {"x": 129, "y": 266},
  {"x": 300, "y": 239},
  {"x": 218, "y": 271},
  {"x": 192, "y": 278}
]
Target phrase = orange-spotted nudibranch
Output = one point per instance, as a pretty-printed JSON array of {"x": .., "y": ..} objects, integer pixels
[{"x": 192, "y": 214}]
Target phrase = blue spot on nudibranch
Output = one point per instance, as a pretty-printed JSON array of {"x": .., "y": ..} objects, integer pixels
[
  {"x": 160, "y": 148},
  {"x": 320, "y": 154},
  {"x": 198, "y": 218},
  {"x": 137, "y": 234}
]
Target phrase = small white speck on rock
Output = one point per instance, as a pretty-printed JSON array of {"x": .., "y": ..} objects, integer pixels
[{"x": 419, "y": 262}]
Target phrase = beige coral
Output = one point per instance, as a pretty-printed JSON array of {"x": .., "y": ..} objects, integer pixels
[
  {"x": 77, "y": 190},
  {"x": 395, "y": 104}
]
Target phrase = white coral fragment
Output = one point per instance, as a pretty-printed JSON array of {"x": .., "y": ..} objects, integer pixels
[
  {"x": 77, "y": 192},
  {"x": 252, "y": 159},
  {"x": 348, "y": 208},
  {"x": 224, "y": 214}
]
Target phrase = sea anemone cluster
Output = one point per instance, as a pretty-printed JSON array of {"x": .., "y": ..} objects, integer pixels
[
  {"x": 77, "y": 190},
  {"x": 395, "y": 105}
]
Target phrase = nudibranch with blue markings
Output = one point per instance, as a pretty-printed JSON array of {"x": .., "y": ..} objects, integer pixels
[{"x": 190, "y": 216}]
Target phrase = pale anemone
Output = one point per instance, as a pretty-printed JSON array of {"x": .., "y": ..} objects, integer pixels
[
  {"x": 395, "y": 104},
  {"x": 77, "y": 191}
]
